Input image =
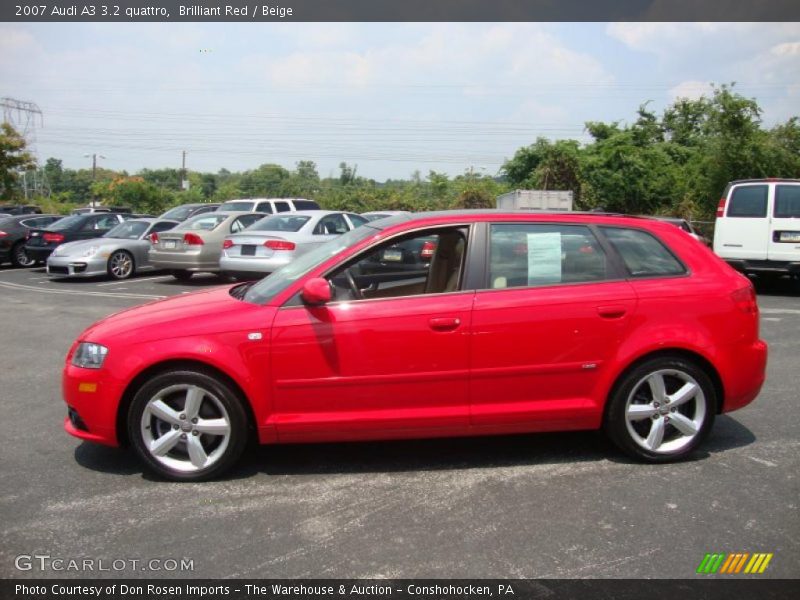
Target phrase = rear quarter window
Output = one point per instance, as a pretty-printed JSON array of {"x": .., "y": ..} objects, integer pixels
[
  {"x": 305, "y": 205},
  {"x": 787, "y": 201},
  {"x": 643, "y": 254},
  {"x": 748, "y": 201}
]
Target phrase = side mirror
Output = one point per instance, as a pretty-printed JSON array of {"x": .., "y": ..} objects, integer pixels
[{"x": 316, "y": 292}]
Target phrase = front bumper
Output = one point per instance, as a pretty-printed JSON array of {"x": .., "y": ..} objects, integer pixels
[
  {"x": 92, "y": 403},
  {"x": 68, "y": 266}
]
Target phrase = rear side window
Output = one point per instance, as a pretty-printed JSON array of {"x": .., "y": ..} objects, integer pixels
[
  {"x": 282, "y": 207},
  {"x": 528, "y": 254},
  {"x": 787, "y": 201},
  {"x": 748, "y": 201},
  {"x": 305, "y": 205},
  {"x": 264, "y": 207},
  {"x": 643, "y": 254}
]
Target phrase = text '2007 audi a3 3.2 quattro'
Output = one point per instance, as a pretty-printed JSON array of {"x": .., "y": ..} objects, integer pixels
[{"x": 519, "y": 323}]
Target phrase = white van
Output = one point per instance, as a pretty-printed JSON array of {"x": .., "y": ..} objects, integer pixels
[
  {"x": 758, "y": 226},
  {"x": 269, "y": 206}
]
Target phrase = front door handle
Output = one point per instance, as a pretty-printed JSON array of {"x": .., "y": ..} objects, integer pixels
[
  {"x": 444, "y": 323},
  {"x": 613, "y": 311}
]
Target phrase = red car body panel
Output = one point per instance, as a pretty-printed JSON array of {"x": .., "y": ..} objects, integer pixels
[{"x": 464, "y": 363}]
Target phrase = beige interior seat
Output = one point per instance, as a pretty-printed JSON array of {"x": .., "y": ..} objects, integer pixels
[{"x": 445, "y": 268}]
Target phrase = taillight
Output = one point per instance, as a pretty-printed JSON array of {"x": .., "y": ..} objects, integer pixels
[
  {"x": 428, "y": 248},
  {"x": 3, "y": 234},
  {"x": 279, "y": 245},
  {"x": 192, "y": 239},
  {"x": 227, "y": 244},
  {"x": 745, "y": 300},
  {"x": 721, "y": 207},
  {"x": 154, "y": 238},
  {"x": 53, "y": 238}
]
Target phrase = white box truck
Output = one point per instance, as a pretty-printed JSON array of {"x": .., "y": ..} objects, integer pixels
[
  {"x": 555, "y": 200},
  {"x": 758, "y": 226}
]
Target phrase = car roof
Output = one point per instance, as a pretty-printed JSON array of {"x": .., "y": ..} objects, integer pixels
[
  {"x": 482, "y": 214},
  {"x": 309, "y": 213}
]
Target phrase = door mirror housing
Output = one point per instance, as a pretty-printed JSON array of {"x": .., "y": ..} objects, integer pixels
[{"x": 316, "y": 292}]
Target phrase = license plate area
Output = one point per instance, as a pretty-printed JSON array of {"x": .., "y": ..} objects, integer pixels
[
  {"x": 248, "y": 250},
  {"x": 170, "y": 244},
  {"x": 791, "y": 237}
]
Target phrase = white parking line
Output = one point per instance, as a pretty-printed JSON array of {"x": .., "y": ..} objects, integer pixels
[
  {"x": 135, "y": 280},
  {"x": 780, "y": 311},
  {"x": 30, "y": 288}
]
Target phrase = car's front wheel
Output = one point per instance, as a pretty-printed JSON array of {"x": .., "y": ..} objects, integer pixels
[
  {"x": 120, "y": 265},
  {"x": 661, "y": 410},
  {"x": 187, "y": 425}
]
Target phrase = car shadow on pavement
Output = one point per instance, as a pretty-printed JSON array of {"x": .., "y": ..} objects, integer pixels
[
  {"x": 420, "y": 455},
  {"x": 774, "y": 286}
]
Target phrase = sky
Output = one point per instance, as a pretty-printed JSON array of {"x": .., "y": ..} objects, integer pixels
[{"x": 391, "y": 98}]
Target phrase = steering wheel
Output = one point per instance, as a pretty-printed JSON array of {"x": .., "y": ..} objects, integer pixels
[{"x": 351, "y": 281}]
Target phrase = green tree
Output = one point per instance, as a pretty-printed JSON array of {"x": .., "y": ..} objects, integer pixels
[{"x": 13, "y": 159}]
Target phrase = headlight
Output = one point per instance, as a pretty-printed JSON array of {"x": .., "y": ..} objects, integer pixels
[
  {"x": 91, "y": 251},
  {"x": 89, "y": 355}
]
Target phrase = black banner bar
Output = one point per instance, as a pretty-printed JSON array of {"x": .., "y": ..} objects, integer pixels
[
  {"x": 398, "y": 10},
  {"x": 401, "y": 589}
]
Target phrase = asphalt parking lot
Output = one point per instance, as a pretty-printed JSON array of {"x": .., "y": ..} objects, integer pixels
[{"x": 555, "y": 505}]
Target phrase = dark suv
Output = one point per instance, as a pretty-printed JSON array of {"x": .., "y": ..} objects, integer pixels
[
  {"x": 41, "y": 242},
  {"x": 20, "y": 209}
]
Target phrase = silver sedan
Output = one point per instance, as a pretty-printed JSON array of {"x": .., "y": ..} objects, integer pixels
[
  {"x": 278, "y": 239},
  {"x": 120, "y": 253}
]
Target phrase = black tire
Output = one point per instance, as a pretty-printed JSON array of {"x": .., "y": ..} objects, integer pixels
[
  {"x": 181, "y": 275},
  {"x": 121, "y": 265},
  {"x": 18, "y": 256},
  {"x": 633, "y": 435},
  {"x": 219, "y": 403}
]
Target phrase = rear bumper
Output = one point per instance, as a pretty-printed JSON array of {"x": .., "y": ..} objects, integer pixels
[
  {"x": 254, "y": 264},
  {"x": 183, "y": 263},
  {"x": 39, "y": 253},
  {"x": 743, "y": 368},
  {"x": 764, "y": 266}
]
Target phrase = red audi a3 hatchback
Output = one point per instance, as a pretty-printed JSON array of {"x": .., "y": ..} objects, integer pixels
[{"x": 515, "y": 322}]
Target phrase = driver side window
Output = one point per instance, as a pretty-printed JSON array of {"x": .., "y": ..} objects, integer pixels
[{"x": 429, "y": 262}]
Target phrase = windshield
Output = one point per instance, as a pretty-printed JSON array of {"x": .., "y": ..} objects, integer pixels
[
  {"x": 129, "y": 230},
  {"x": 179, "y": 213},
  {"x": 67, "y": 222},
  {"x": 244, "y": 205},
  {"x": 269, "y": 287},
  {"x": 284, "y": 222}
]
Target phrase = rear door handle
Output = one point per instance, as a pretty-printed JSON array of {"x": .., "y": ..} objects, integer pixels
[
  {"x": 444, "y": 323},
  {"x": 612, "y": 311}
]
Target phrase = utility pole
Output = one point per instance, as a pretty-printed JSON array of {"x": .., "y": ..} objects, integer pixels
[
  {"x": 94, "y": 174},
  {"x": 184, "y": 179},
  {"x": 23, "y": 117}
]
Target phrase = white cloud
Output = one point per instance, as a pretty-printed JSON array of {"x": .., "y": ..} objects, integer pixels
[
  {"x": 691, "y": 90},
  {"x": 786, "y": 49}
]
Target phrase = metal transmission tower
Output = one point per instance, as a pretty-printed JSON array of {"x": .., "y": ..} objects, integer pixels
[{"x": 24, "y": 116}]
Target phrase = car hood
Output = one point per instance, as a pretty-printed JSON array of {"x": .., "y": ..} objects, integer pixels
[
  {"x": 81, "y": 246},
  {"x": 200, "y": 313}
]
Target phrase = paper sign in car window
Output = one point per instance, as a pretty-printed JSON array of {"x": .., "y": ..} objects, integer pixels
[{"x": 544, "y": 258}]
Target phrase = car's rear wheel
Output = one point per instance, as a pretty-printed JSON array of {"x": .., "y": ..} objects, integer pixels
[
  {"x": 182, "y": 275},
  {"x": 20, "y": 258},
  {"x": 120, "y": 265},
  {"x": 187, "y": 425},
  {"x": 661, "y": 410}
]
